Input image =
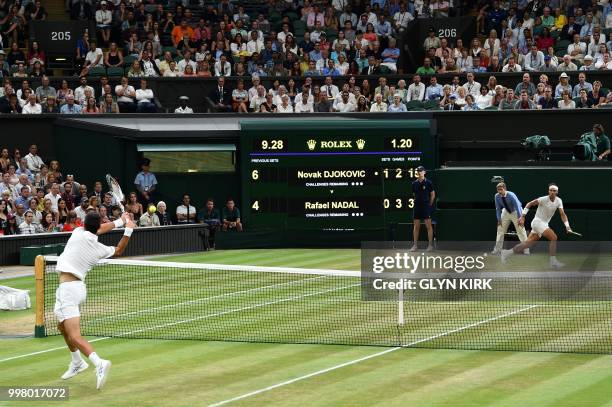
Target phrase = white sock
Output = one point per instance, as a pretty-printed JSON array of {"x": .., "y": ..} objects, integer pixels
[
  {"x": 76, "y": 357},
  {"x": 95, "y": 359},
  {"x": 553, "y": 258}
]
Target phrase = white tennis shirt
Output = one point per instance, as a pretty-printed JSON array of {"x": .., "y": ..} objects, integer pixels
[
  {"x": 547, "y": 208},
  {"x": 82, "y": 252}
]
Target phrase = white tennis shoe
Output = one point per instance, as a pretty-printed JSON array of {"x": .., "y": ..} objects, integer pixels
[
  {"x": 556, "y": 264},
  {"x": 74, "y": 370},
  {"x": 505, "y": 254},
  {"x": 102, "y": 372}
]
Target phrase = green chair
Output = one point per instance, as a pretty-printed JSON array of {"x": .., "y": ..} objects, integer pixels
[
  {"x": 114, "y": 71},
  {"x": 128, "y": 59},
  {"x": 414, "y": 104},
  {"x": 608, "y": 106},
  {"x": 430, "y": 104},
  {"x": 97, "y": 71},
  {"x": 292, "y": 15},
  {"x": 491, "y": 108},
  {"x": 172, "y": 50},
  {"x": 563, "y": 44},
  {"x": 299, "y": 25}
]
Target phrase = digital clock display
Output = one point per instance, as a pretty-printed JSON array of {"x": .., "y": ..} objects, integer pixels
[
  {"x": 406, "y": 143},
  {"x": 270, "y": 144},
  {"x": 341, "y": 176}
]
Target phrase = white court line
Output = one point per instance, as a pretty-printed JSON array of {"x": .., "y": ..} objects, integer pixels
[
  {"x": 48, "y": 350},
  {"x": 188, "y": 320},
  {"x": 352, "y": 362}
]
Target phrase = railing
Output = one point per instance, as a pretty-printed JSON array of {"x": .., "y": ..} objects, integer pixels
[{"x": 144, "y": 241}]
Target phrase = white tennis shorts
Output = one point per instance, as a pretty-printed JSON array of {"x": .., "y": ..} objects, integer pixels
[
  {"x": 538, "y": 226},
  {"x": 68, "y": 297}
]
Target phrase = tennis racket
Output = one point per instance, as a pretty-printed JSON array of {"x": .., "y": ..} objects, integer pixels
[
  {"x": 115, "y": 189},
  {"x": 571, "y": 232}
]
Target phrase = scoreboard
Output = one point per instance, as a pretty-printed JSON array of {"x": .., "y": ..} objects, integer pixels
[{"x": 331, "y": 175}]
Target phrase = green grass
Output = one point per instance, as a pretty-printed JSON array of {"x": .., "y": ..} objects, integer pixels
[{"x": 187, "y": 373}]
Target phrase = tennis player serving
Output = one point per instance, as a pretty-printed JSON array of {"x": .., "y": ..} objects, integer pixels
[
  {"x": 547, "y": 206},
  {"x": 82, "y": 252}
]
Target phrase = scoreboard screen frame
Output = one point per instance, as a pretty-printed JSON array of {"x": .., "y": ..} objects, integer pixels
[{"x": 331, "y": 175}]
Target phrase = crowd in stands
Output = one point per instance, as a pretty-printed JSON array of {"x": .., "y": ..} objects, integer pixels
[
  {"x": 35, "y": 197},
  {"x": 304, "y": 45},
  {"x": 533, "y": 90}
]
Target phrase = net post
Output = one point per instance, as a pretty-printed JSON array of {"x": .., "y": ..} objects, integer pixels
[
  {"x": 400, "y": 306},
  {"x": 39, "y": 275}
]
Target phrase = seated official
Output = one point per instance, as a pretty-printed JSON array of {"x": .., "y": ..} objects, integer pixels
[
  {"x": 231, "y": 216},
  {"x": 210, "y": 216}
]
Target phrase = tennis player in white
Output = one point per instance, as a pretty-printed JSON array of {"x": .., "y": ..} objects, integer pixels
[
  {"x": 547, "y": 206},
  {"x": 82, "y": 252}
]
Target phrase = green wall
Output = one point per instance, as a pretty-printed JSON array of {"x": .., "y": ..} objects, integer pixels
[
  {"x": 465, "y": 195},
  {"x": 91, "y": 154}
]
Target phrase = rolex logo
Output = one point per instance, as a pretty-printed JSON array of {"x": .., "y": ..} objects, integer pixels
[
  {"x": 360, "y": 144},
  {"x": 311, "y": 144}
]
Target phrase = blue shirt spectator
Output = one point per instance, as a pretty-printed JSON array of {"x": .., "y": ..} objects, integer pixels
[
  {"x": 315, "y": 54},
  {"x": 433, "y": 91},
  {"x": 25, "y": 171},
  {"x": 327, "y": 71},
  {"x": 580, "y": 86},
  {"x": 383, "y": 28},
  {"x": 393, "y": 108},
  {"x": 390, "y": 55},
  {"x": 587, "y": 29},
  {"x": 71, "y": 109},
  {"x": 23, "y": 201}
]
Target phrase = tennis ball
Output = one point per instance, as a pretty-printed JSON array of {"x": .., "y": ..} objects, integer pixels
[{"x": 152, "y": 209}]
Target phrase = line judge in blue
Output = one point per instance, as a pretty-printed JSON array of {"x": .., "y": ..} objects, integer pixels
[
  {"x": 424, "y": 198},
  {"x": 508, "y": 209}
]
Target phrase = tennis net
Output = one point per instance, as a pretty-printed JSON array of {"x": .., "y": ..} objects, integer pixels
[{"x": 162, "y": 300}]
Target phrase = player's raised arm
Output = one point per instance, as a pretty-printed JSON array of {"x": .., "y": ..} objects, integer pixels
[
  {"x": 129, "y": 228},
  {"x": 118, "y": 223}
]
